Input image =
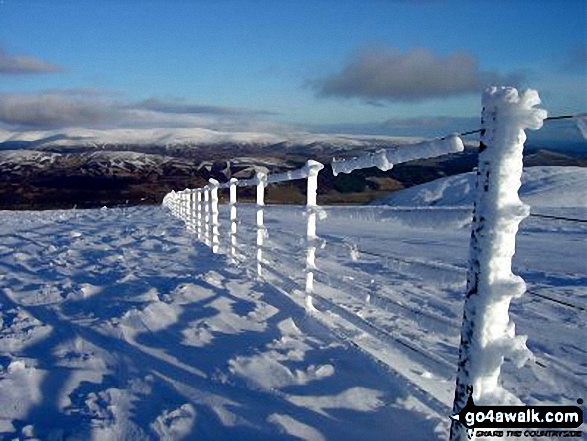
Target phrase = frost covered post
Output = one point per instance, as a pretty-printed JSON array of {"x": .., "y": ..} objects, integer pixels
[
  {"x": 206, "y": 215},
  {"x": 215, "y": 241},
  {"x": 179, "y": 203},
  {"x": 191, "y": 225},
  {"x": 232, "y": 205},
  {"x": 313, "y": 168},
  {"x": 184, "y": 205},
  {"x": 199, "y": 213},
  {"x": 261, "y": 184},
  {"x": 173, "y": 203},
  {"x": 488, "y": 335}
]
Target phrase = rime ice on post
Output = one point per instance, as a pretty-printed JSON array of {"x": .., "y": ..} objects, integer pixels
[
  {"x": 207, "y": 216},
  {"x": 261, "y": 179},
  {"x": 199, "y": 213},
  {"x": 191, "y": 224},
  {"x": 385, "y": 159},
  {"x": 313, "y": 168},
  {"x": 215, "y": 241},
  {"x": 488, "y": 334},
  {"x": 184, "y": 205},
  {"x": 233, "y": 183}
]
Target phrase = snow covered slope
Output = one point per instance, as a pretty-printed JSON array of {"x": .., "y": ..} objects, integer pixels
[
  {"x": 186, "y": 137},
  {"x": 541, "y": 187},
  {"x": 118, "y": 324}
]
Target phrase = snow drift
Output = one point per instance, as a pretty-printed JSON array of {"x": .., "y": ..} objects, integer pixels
[{"x": 563, "y": 187}]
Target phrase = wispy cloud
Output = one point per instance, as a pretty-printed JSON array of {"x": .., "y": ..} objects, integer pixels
[
  {"x": 51, "y": 110},
  {"x": 96, "y": 109},
  {"x": 383, "y": 74},
  {"x": 24, "y": 65},
  {"x": 181, "y": 107},
  {"x": 84, "y": 92}
]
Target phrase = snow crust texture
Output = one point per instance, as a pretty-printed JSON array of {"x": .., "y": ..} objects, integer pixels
[{"x": 118, "y": 325}]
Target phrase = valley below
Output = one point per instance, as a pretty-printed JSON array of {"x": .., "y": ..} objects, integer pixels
[{"x": 63, "y": 176}]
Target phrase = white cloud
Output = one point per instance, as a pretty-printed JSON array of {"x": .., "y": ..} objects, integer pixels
[
  {"x": 95, "y": 109},
  {"x": 385, "y": 74}
]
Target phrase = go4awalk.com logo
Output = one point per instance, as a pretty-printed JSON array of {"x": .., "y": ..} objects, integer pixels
[{"x": 520, "y": 421}]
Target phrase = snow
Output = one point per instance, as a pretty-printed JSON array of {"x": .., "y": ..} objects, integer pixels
[
  {"x": 561, "y": 187},
  {"x": 385, "y": 159},
  {"x": 130, "y": 328},
  {"x": 189, "y": 137}
]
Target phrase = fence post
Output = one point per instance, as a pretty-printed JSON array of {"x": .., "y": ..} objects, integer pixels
[
  {"x": 215, "y": 241},
  {"x": 186, "y": 196},
  {"x": 206, "y": 215},
  {"x": 181, "y": 204},
  {"x": 313, "y": 168},
  {"x": 172, "y": 201},
  {"x": 199, "y": 213},
  {"x": 232, "y": 205},
  {"x": 488, "y": 334},
  {"x": 191, "y": 224},
  {"x": 261, "y": 184}
]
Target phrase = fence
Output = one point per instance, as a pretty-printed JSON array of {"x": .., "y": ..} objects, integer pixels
[{"x": 486, "y": 333}]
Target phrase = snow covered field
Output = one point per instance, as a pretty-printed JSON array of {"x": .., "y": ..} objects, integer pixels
[{"x": 118, "y": 324}]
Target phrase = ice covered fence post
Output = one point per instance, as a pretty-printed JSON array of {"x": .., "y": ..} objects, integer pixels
[
  {"x": 179, "y": 203},
  {"x": 191, "y": 224},
  {"x": 261, "y": 184},
  {"x": 183, "y": 205},
  {"x": 313, "y": 168},
  {"x": 214, "y": 209},
  {"x": 186, "y": 206},
  {"x": 233, "y": 183},
  {"x": 206, "y": 215},
  {"x": 199, "y": 213},
  {"x": 488, "y": 335},
  {"x": 172, "y": 202}
]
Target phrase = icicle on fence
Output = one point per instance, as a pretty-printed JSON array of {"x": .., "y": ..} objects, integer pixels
[{"x": 488, "y": 335}]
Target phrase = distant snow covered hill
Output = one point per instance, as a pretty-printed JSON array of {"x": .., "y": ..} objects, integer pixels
[
  {"x": 185, "y": 137},
  {"x": 95, "y": 168},
  {"x": 563, "y": 187}
]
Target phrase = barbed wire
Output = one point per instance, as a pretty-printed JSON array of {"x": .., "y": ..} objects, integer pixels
[
  {"x": 472, "y": 132},
  {"x": 568, "y": 219}
]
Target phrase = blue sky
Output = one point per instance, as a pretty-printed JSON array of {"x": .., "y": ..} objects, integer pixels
[{"x": 356, "y": 65}]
